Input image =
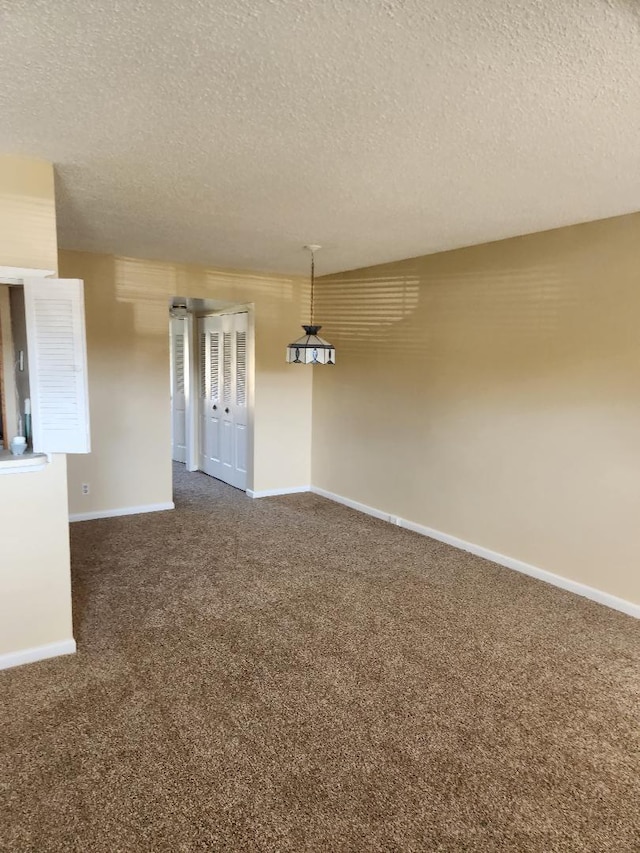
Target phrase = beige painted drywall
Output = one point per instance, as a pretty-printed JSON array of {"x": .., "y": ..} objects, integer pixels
[
  {"x": 27, "y": 214},
  {"x": 126, "y": 303},
  {"x": 35, "y": 580},
  {"x": 35, "y": 592},
  {"x": 493, "y": 393}
]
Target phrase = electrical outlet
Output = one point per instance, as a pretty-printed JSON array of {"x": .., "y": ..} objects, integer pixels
[{"x": 85, "y": 488}]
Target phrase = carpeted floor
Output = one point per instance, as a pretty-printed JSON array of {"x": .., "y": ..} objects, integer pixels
[{"x": 288, "y": 675}]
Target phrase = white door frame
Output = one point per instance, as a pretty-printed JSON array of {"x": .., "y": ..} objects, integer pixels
[
  {"x": 191, "y": 391},
  {"x": 251, "y": 385}
]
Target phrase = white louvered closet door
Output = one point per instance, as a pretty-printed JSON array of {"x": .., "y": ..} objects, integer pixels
[
  {"x": 178, "y": 397},
  {"x": 209, "y": 350},
  {"x": 224, "y": 397},
  {"x": 58, "y": 381}
]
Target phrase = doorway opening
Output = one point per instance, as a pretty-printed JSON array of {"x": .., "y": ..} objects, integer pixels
[{"x": 211, "y": 383}]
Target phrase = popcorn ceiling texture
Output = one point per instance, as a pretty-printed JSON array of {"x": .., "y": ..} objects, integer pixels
[{"x": 233, "y": 132}]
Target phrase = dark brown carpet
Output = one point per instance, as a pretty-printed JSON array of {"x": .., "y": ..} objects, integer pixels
[{"x": 288, "y": 675}]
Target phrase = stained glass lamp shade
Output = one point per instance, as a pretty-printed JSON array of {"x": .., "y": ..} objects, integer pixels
[{"x": 311, "y": 349}]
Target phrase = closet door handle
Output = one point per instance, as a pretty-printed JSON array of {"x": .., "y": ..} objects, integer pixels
[
  {"x": 214, "y": 407},
  {"x": 226, "y": 411}
]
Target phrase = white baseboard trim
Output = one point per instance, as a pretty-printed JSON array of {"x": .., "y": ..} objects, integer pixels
[
  {"x": 270, "y": 493},
  {"x": 368, "y": 510},
  {"x": 125, "y": 510},
  {"x": 585, "y": 591},
  {"x": 51, "y": 650}
]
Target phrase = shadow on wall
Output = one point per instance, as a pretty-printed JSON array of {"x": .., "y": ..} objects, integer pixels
[
  {"x": 497, "y": 306},
  {"x": 414, "y": 313},
  {"x": 128, "y": 365},
  {"x": 147, "y": 288},
  {"x": 127, "y": 335},
  {"x": 148, "y": 285},
  {"x": 34, "y": 246}
]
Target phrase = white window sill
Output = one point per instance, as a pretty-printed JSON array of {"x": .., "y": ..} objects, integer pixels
[{"x": 29, "y": 461}]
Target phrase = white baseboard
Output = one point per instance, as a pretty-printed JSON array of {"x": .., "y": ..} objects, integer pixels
[
  {"x": 368, "y": 510},
  {"x": 125, "y": 510},
  {"x": 270, "y": 493},
  {"x": 51, "y": 650},
  {"x": 590, "y": 592}
]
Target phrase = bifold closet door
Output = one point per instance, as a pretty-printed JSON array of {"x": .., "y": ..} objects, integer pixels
[
  {"x": 224, "y": 397},
  {"x": 209, "y": 345},
  {"x": 178, "y": 398}
]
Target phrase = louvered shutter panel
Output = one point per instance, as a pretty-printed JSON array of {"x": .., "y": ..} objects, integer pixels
[
  {"x": 241, "y": 368},
  {"x": 179, "y": 358},
  {"x": 226, "y": 368},
  {"x": 203, "y": 357},
  {"x": 214, "y": 364},
  {"x": 56, "y": 343}
]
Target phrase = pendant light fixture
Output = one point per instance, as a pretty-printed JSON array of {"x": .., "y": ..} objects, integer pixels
[{"x": 311, "y": 349}]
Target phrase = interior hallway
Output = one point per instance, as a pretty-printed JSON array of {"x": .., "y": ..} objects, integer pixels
[{"x": 287, "y": 674}]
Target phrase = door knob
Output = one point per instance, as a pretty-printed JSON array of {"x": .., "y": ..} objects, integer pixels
[
  {"x": 226, "y": 411},
  {"x": 214, "y": 407}
]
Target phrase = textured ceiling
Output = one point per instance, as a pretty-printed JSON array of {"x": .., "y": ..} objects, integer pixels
[{"x": 231, "y": 132}]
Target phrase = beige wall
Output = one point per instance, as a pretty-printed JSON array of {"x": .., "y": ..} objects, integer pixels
[
  {"x": 35, "y": 597},
  {"x": 35, "y": 580},
  {"x": 493, "y": 393},
  {"x": 126, "y": 303},
  {"x": 27, "y": 214}
]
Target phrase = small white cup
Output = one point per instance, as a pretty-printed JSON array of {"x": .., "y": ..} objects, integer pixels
[{"x": 18, "y": 445}]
